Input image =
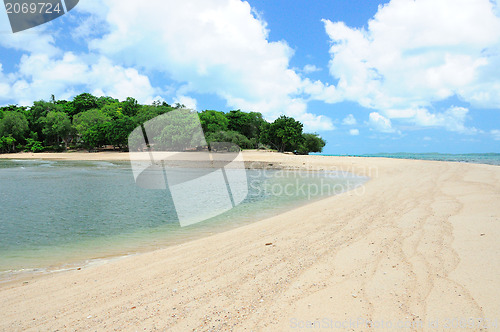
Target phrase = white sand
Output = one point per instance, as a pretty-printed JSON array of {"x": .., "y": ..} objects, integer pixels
[{"x": 418, "y": 246}]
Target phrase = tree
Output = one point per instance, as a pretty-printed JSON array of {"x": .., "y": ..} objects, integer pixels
[
  {"x": 34, "y": 145},
  {"x": 118, "y": 131},
  {"x": 66, "y": 107},
  {"x": 113, "y": 110},
  {"x": 248, "y": 124},
  {"x": 84, "y": 102},
  {"x": 311, "y": 143},
  {"x": 88, "y": 119},
  {"x": 36, "y": 115},
  {"x": 57, "y": 126},
  {"x": 92, "y": 127},
  {"x": 148, "y": 112},
  {"x": 179, "y": 131},
  {"x": 7, "y": 144},
  {"x": 213, "y": 121},
  {"x": 13, "y": 124},
  {"x": 285, "y": 134},
  {"x": 130, "y": 107},
  {"x": 103, "y": 101},
  {"x": 95, "y": 136},
  {"x": 230, "y": 137},
  {"x": 12, "y": 108}
]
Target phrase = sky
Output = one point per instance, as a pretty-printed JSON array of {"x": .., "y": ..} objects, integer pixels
[{"x": 368, "y": 76}]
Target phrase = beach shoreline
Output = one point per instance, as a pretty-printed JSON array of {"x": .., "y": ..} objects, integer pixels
[
  {"x": 418, "y": 245},
  {"x": 65, "y": 264}
]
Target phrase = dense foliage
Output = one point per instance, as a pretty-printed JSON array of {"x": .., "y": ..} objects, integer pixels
[{"x": 94, "y": 123}]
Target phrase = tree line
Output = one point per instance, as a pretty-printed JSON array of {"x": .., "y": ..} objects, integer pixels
[{"x": 90, "y": 122}]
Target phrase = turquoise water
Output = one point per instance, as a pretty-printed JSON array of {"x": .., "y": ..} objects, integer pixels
[
  {"x": 476, "y": 158},
  {"x": 57, "y": 213}
]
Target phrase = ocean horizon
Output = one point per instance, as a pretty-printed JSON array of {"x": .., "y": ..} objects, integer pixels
[{"x": 475, "y": 158}]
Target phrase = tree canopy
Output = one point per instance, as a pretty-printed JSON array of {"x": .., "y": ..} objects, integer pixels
[{"x": 92, "y": 123}]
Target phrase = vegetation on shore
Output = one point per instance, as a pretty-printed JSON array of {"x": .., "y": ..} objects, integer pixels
[{"x": 90, "y": 122}]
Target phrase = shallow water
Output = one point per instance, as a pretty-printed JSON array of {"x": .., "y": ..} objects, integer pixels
[{"x": 54, "y": 213}]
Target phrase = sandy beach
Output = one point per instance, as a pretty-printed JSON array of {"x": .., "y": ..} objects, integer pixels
[{"x": 416, "y": 248}]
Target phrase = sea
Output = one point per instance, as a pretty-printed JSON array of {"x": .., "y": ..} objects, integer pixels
[
  {"x": 57, "y": 215},
  {"x": 475, "y": 158}
]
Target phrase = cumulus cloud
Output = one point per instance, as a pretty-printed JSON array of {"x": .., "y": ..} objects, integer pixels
[
  {"x": 380, "y": 123},
  {"x": 354, "y": 132},
  {"x": 310, "y": 69},
  {"x": 213, "y": 46},
  {"x": 414, "y": 53},
  {"x": 203, "y": 46},
  {"x": 100, "y": 77},
  {"x": 349, "y": 120},
  {"x": 453, "y": 119},
  {"x": 35, "y": 40},
  {"x": 186, "y": 101}
]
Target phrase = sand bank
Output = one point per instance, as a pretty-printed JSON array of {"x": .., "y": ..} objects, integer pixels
[
  {"x": 417, "y": 247},
  {"x": 76, "y": 156}
]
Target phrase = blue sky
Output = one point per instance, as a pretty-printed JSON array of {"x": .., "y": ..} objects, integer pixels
[{"x": 368, "y": 76}]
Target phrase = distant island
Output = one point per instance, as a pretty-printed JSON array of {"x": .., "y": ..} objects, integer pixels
[{"x": 95, "y": 123}]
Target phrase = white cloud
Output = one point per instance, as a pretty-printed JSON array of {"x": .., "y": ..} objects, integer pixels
[
  {"x": 35, "y": 40},
  {"x": 453, "y": 119},
  {"x": 354, "y": 132},
  {"x": 349, "y": 120},
  {"x": 214, "y": 46},
  {"x": 318, "y": 90},
  {"x": 414, "y": 53},
  {"x": 310, "y": 69},
  {"x": 100, "y": 77},
  {"x": 186, "y": 101},
  {"x": 315, "y": 122},
  {"x": 496, "y": 134},
  {"x": 205, "y": 46},
  {"x": 380, "y": 123}
]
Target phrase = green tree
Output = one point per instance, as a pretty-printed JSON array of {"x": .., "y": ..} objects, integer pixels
[
  {"x": 88, "y": 119},
  {"x": 248, "y": 124},
  {"x": 130, "y": 107},
  {"x": 84, "y": 102},
  {"x": 148, "y": 112},
  {"x": 92, "y": 127},
  {"x": 230, "y": 137},
  {"x": 95, "y": 136},
  {"x": 14, "y": 124},
  {"x": 67, "y": 107},
  {"x": 254, "y": 125},
  {"x": 12, "y": 108},
  {"x": 113, "y": 110},
  {"x": 34, "y": 145},
  {"x": 36, "y": 115},
  {"x": 118, "y": 131},
  {"x": 176, "y": 131},
  {"x": 103, "y": 101},
  {"x": 213, "y": 121},
  {"x": 284, "y": 134},
  {"x": 7, "y": 144},
  {"x": 57, "y": 127},
  {"x": 311, "y": 143}
]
